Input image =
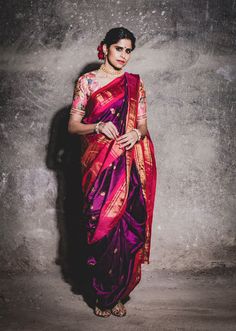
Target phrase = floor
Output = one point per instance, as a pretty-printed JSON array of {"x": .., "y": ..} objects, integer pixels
[{"x": 164, "y": 300}]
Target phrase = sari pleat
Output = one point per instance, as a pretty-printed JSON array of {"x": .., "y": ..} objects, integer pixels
[{"x": 119, "y": 191}]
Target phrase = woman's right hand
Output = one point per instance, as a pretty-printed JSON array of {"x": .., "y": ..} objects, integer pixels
[{"x": 108, "y": 129}]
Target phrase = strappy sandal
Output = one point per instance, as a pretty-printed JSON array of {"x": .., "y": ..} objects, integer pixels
[
  {"x": 102, "y": 313},
  {"x": 119, "y": 310}
]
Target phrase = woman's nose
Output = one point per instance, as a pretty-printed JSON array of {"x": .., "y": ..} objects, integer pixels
[{"x": 123, "y": 54}]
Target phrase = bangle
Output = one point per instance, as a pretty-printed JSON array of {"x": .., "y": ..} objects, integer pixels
[
  {"x": 138, "y": 133},
  {"x": 96, "y": 129}
]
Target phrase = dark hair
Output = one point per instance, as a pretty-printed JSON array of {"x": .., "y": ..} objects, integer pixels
[{"x": 115, "y": 34}]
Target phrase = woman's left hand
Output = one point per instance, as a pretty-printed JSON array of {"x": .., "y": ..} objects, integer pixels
[{"x": 127, "y": 140}]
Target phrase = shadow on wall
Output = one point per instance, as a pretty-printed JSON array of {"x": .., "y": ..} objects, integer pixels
[{"x": 63, "y": 157}]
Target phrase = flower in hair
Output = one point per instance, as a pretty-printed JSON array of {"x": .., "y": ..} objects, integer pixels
[{"x": 100, "y": 51}]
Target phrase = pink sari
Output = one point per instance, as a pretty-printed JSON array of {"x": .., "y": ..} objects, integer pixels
[{"x": 119, "y": 191}]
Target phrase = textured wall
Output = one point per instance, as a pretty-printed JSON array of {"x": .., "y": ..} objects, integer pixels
[{"x": 186, "y": 57}]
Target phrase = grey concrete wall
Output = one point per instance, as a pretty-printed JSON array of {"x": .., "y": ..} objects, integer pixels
[{"x": 186, "y": 56}]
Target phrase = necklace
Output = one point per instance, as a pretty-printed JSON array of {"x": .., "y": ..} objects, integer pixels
[{"x": 114, "y": 73}]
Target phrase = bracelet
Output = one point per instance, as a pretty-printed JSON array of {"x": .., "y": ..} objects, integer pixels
[
  {"x": 96, "y": 129},
  {"x": 138, "y": 133}
]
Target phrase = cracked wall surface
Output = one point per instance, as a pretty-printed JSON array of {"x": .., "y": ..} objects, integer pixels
[{"x": 185, "y": 55}]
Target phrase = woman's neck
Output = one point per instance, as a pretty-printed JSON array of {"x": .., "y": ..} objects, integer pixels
[{"x": 110, "y": 71}]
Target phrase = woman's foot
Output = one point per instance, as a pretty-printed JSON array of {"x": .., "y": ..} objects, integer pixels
[
  {"x": 119, "y": 309},
  {"x": 102, "y": 312}
]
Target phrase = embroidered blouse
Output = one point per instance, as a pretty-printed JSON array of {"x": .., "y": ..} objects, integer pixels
[{"x": 87, "y": 84}]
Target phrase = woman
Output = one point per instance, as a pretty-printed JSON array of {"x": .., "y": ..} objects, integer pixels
[{"x": 118, "y": 172}]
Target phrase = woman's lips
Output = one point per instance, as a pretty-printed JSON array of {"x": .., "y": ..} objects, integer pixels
[{"x": 121, "y": 61}]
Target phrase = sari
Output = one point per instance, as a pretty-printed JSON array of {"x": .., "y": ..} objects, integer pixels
[{"x": 118, "y": 188}]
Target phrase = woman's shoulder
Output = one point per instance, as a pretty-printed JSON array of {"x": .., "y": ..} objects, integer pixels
[
  {"x": 87, "y": 76},
  {"x": 88, "y": 81}
]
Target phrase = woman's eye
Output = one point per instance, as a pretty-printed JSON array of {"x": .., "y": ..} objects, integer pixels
[{"x": 119, "y": 49}]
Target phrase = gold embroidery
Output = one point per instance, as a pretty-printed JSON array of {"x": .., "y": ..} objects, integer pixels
[
  {"x": 108, "y": 93},
  {"x": 104, "y": 97},
  {"x": 115, "y": 205},
  {"x": 100, "y": 97},
  {"x": 141, "y": 168}
]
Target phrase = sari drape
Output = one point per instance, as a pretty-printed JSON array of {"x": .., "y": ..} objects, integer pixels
[{"x": 119, "y": 190}]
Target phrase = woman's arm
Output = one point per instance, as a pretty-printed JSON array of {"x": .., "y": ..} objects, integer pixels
[
  {"x": 142, "y": 111},
  {"x": 77, "y": 112},
  {"x": 142, "y": 127},
  {"x": 76, "y": 127}
]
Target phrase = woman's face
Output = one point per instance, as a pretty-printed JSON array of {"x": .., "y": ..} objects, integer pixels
[{"x": 118, "y": 54}]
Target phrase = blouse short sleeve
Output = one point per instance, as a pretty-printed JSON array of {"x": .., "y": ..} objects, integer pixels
[
  {"x": 142, "y": 103},
  {"x": 80, "y": 97}
]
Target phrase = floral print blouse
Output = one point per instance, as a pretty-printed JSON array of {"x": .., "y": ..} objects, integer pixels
[{"x": 87, "y": 84}]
